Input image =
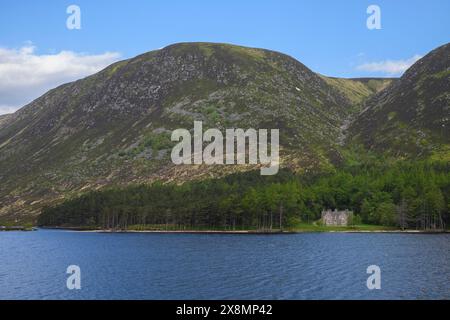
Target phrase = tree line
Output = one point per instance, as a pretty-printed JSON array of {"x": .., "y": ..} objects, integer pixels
[{"x": 403, "y": 194}]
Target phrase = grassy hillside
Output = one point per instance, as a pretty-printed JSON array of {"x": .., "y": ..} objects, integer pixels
[
  {"x": 410, "y": 118},
  {"x": 358, "y": 90}
]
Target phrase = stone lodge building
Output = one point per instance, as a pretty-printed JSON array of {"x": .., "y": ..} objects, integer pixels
[{"x": 336, "y": 217}]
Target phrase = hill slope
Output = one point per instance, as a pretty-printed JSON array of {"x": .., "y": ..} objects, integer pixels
[
  {"x": 411, "y": 117},
  {"x": 358, "y": 90},
  {"x": 114, "y": 127}
]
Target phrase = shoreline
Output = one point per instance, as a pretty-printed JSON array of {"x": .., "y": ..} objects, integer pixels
[
  {"x": 244, "y": 232},
  {"x": 16, "y": 228}
]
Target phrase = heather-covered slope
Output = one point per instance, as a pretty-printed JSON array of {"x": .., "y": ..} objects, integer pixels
[
  {"x": 114, "y": 127},
  {"x": 411, "y": 117}
]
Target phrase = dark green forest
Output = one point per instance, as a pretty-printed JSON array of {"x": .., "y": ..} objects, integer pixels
[{"x": 401, "y": 194}]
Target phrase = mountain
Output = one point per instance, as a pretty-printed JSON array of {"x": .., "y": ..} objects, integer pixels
[
  {"x": 4, "y": 118},
  {"x": 114, "y": 127},
  {"x": 411, "y": 117}
]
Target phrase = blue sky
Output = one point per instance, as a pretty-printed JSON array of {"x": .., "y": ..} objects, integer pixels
[{"x": 329, "y": 37}]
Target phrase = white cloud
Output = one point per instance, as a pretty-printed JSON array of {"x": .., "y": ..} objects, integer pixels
[
  {"x": 25, "y": 75},
  {"x": 7, "y": 109},
  {"x": 389, "y": 67}
]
